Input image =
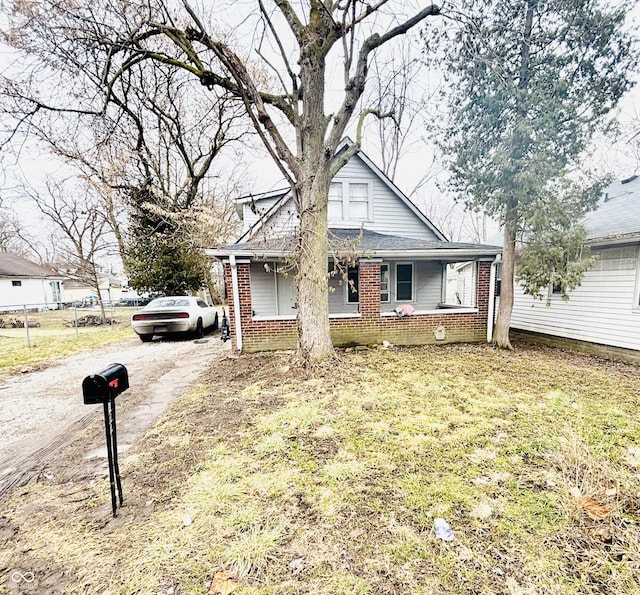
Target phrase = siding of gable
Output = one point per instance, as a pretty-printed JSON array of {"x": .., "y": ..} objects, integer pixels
[
  {"x": 602, "y": 310},
  {"x": 249, "y": 218},
  {"x": 390, "y": 214}
]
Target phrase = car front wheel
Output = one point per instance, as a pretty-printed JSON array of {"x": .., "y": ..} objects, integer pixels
[{"x": 145, "y": 338}]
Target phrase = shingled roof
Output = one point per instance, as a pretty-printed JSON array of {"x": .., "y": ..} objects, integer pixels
[
  {"x": 362, "y": 242},
  {"x": 618, "y": 214},
  {"x": 12, "y": 265}
]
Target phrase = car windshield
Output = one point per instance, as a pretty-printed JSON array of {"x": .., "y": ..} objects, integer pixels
[{"x": 168, "y": 303}]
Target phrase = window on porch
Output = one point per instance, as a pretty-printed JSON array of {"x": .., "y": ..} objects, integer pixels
[
  {"x": 404, "y": 281},
  {"x": 460, "y": 283},
  {"x": 352, "y": 285},
  {"x": 384, "y": 283}
]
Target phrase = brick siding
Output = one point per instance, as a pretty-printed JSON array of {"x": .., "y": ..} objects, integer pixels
[{"x": 370, "y": 327}]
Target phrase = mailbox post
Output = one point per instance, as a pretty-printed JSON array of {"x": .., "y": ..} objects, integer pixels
[{"x": 104, "y": 387}]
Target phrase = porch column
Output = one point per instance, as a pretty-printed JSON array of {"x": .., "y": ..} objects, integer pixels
[
  {"x": 369, "y": 288},
  {"x": 484, "y": 276},
  {"x": 244, "y": 296}
]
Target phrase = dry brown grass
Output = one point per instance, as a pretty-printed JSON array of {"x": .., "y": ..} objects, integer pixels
[{"x": 331, "y": 483}]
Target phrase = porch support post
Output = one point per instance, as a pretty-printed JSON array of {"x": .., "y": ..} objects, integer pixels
[
  {"x": 492, "y": 297},
  {"x": 369, "y": 287},
  {"x": 236, "y": 301}
]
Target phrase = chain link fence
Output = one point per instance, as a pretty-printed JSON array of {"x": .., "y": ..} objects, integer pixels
[{"x": 29, "y": 320}]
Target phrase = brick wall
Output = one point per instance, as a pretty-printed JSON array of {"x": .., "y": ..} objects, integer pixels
[{"x": 370, "y": 327}]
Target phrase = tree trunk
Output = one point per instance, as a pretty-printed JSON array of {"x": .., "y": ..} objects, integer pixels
[
  {"x": 314, "y": 338},
  {"x": 314, "y": 161},
  {"x": 501, "y": 332}
]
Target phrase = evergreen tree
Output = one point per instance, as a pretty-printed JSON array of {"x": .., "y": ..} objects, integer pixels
[
  {"x": 531, "y": 82},
  {"x": 161, "y": 256}
]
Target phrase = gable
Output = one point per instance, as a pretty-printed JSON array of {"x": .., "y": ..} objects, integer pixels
[
  {"x": 389, "y": 212},
  {"x": 360, "y": 196}
]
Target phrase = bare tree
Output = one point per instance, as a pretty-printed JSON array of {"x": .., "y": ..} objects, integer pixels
[
  {"x": 80, "y": 228},
  {"x": 105, "y": 44},
  {"x": 150, "y": 155}
]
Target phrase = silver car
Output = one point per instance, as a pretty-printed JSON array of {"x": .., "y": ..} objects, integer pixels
[{"x": 174, "y": 314}]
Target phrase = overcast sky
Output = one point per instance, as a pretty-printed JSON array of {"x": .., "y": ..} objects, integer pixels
[{"x": 619, "y": 158}]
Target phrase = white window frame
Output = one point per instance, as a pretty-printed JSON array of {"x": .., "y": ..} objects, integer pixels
[
  {"x": 413, "y": 281},
  {"x": 336, "y": 183},
  {"x": 385, "y": 264},
  {"x": 346, "y": 195}
]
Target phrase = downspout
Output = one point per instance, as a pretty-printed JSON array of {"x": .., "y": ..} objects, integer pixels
[
  {"x": 492, "y": 297},
  {"x": 236, "y": 301}
]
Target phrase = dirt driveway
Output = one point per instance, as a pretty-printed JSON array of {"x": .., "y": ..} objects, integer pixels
[{"x": 42, "y": 411}]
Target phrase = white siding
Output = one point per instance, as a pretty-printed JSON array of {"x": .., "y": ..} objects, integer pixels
[
  {"x": 390, "y": 214},
  {"x": 30, "y": 291},
  {"x": 603, "y": 309},
  {"x": 461, "y": 284},
  {"x": 249, "y": 218},
  {"x": 283, "y": 222},
  {"x": 263, "y": 290},
  {"x": 427, "y": 286},
  {"x": 428, "y": 277}
]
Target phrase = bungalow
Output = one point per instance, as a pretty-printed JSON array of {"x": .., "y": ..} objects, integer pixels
[
  {"x": 23, "y": 282},
  {"x": 602, "y": 315},
  {"x": 387, "y": 271}
]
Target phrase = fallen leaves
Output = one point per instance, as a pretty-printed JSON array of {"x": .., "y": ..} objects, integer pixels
[
  {"x": 594, "y": 509},
  {"x": 223, "y": 584}
]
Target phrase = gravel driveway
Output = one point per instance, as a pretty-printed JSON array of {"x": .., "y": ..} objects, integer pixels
[{"x": 41, "y": 411}]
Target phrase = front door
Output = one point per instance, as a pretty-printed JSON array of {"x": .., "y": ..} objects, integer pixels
[{"x": 286, "y": 287}]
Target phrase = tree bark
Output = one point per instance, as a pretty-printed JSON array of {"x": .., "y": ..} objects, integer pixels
[
  {"x": 503, "y": 322},
  {"x": 314, "y": 337}
]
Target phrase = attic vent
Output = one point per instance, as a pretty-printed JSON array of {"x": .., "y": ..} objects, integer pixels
[{"x": 627, "y": 180}]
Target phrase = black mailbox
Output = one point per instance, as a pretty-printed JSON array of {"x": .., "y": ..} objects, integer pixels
[{"x": 106, "y": 384}]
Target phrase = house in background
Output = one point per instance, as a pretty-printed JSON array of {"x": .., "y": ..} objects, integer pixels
[
  {"x": 602, "y": 316},
  {"x": 23, "y": 282},
  {"x": 386, "y": 258},
  {"x": 110, "y": 289}
]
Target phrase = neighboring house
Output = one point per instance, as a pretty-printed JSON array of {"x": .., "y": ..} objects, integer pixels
[
  {"x": 399, "y": 262},
  {"x": 602, "y": 315},
  {"x": 109, "y": 286},
  {"x": 23, "y": 282}
]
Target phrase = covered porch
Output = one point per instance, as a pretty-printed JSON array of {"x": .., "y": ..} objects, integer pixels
[{"x": 400, "y": 290}]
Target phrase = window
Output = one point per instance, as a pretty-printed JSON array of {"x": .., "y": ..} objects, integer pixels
[
  {"x": 384, "y": 283},
  {"x": 461, "y": 283},
  {"x": 358, "y": 202},
  {"x": 335, "y": 201},
  {"x": 16, "y": 283},
  {"x": 352, "y": 285},
  {"x": 498, "y": 279},
  {"x": 349, "y": 201},
  {"x": 404, "y": 282}
]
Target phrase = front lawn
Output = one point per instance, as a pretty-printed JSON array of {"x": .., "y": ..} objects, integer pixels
[{"x": 331, "y": 483}]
